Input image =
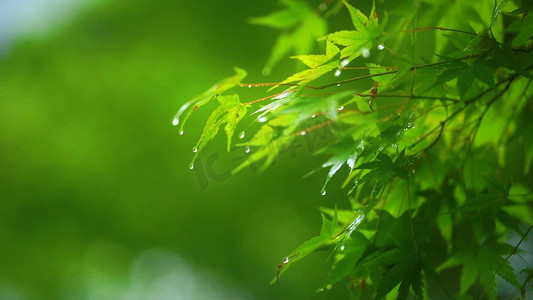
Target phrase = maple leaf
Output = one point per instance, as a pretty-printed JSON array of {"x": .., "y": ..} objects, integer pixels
[{"x": 360, "y": 40}]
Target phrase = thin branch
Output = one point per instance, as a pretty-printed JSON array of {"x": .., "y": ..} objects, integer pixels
[
  {"x": 350, "y": 80},
  {"x": 266, "y": 98},
  {"x": 368, "y": 68},
  {"x": 466, "y": 104},
  {"x": 263, "y": 84},
  {"x": 439, "y": 28},
  {"x": 515, "y": 249},
  {"x": 411, "y": 219},
  {"x": 409, "y": 96}
]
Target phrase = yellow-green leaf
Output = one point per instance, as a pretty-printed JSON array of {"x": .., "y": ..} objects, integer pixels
[{"x": 202, "y": 99}]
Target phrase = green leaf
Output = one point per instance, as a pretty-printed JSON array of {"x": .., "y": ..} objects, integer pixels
[
  {"x": 281, "y": 19},
  {"x": 469, "y": 274},
  {"x": 316, "y": 60},
  {"x": 230, "y": 112},
  {"x": 207, "y": 96},
  {"x": 312, "y": 60},
  {"x": 367, "y": 30},
  {"x": 497, "y": 11},
  {"x": 301, "y": 28},
  {"x": 526, "y": 30},
  {"x": 346, "y": 152},
  {"x": 351, "y": 251},
  {"x": 309, "y": 75},
  {"x": 325, "y": 238},
  {"x": 507, "y": 273}
]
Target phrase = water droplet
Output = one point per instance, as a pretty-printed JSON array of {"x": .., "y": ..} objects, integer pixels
[
  {"x": 338, "y": 84},
  {"x": 303, "y": 132},
  {"x": 241, "y": 135},
  {"x": 365, "y": 52},
  {"x": 413, "y": 171},
  {"x": 381, "y": 47},
  {"x": 313, "y": 116},
  {"x": 191, "y": 166},
  {"x": 323, "y": 6},
  {"x": 342, "y": 248},
  {"x": 323, "y": 193},
  {"x": 181, "y": 132},
  {"x": 249, "y": 86},
  {"x": 194, "y": 149},
  {"x": 247, "y": 150},
  {"x": 175, "y": 122},
  {"x": 262, "y": 119},
  {"x": 282, "y": 95},
  {"x": 340, "y": 108},
  {"x": 338, "y": 73},
  {"x": 355, "y": 223},
  {"x": 286, "y": 260},
  {"x": 361, "y": 146},
  {"x": 266, "y": 71},
  {"x": 344, "y": 62},
  {"x": 329, "y": 286}
]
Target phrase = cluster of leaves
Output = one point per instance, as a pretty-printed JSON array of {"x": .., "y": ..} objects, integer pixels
[{"x": 434, "y": 124}]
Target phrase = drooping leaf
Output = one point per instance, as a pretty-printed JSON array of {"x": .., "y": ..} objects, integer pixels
[
  {"x": 207, "y": 96},
  {"x": 345, "y": 152},
  {"x": 230, "y": 112},
  {"x": 349, "y": 254},
  {"x": 497, "y": 11},
  {"x": 325, "y": 238}
]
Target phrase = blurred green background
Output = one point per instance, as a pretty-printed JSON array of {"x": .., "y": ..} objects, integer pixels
[{"x": 96, "y": 197}]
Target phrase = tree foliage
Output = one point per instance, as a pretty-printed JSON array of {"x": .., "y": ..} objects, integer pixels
[{"x": 430, "y": 103}]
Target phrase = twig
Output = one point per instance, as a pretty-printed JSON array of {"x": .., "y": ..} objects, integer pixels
[
  {"x": 515, "y": 249},
  {"x": 409, "y": 96}
]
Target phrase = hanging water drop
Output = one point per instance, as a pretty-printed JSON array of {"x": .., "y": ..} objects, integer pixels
[
  {"x": 175, "y": 122},
  {"x": 355, "y": 223},
  {"x": 313, "y": 116},
  {"x": 338, "y": 73},
  {"x": 323, "y": 193},
  {"x": 365, "y": 52},
  {"x": 342, "y": 248},
  {"x": 181, "y": 132},
  {"x": 241, "y": 135},
  {"x": 286, "y": 260},
  {"x": 381, "y": 47},
  {"x": 247, "y": 150},
  {"x": 262, "y": 119},
  {"x": 303, "y": 132},
  {"x": 191, "y": 166},
  {"x": 344, "y": 62},
  {"x": 249, "y": 86},
  {"x": 338, "y": 84},
  {"x": 340, "y": 108},
  {"x": 194, "y": 149}
]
